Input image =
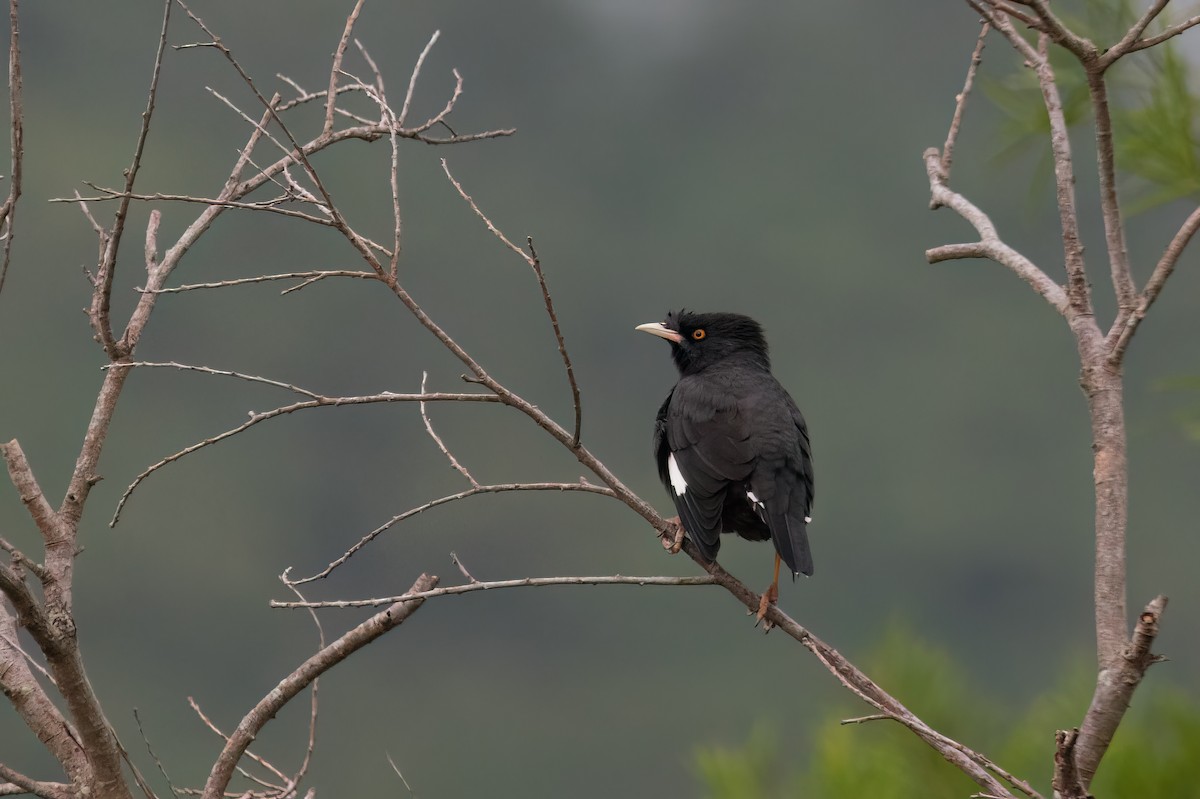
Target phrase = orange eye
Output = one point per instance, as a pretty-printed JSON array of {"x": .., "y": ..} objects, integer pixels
[{"x": 699, "y": 334}]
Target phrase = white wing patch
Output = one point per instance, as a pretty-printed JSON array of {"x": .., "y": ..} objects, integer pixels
[
  {"x": 677, "y": 481},
  {"x": 754, "y": 500}
]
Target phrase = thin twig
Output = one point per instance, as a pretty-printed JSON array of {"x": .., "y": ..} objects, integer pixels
[
  {"x": 527, "y": 582},
  {"x": 458, "y": 467},
  {"x": 387, "y": 117},
  {"x": 331, "y": 94},
  {"x": 1120, "y": 335},
  {"x": 266, "y": 764},
  {"x": 961, "y": 101},
  {"x": 529, "y": 259},
  {"x": 412, "y": 80},
  {"x": 314, "y": 705},
  {"x": 1132, "y": 35},
  {"x": 864, "y": 719},
  {"x": 576, "y": 403},
  {"x": 257, "y": 418},
  {"x": 224, "y": 373},
  {"x": 316, "y": 665},
  {"x": 99, "y": 312},
  {"x": 12, "y": 642},
  {"x": 308, "y": 278},
  {"x": 457, "y": 562},
  {"x": 16, "y": 112},
  {"x": 396, "y": 769},
  {"x": 1169, "y": 33},
  {"x": 153, "y": 756},
  {"x": 474, "y": 491},
  {"x": 534, "y": 262},
  {"x": 268, "y": 206}
]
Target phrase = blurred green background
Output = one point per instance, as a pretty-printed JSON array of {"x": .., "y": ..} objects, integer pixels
[{"x": 761, "y": 158}]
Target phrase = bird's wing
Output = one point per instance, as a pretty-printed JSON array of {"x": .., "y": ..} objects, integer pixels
[
  {"x": 783, "y": 480},
  {"x": 704, "y": 448}
]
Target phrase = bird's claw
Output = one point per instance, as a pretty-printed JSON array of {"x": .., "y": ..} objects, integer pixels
[
  {"x": 769, "y": 598},
  {"x": 672, "y": 540}
]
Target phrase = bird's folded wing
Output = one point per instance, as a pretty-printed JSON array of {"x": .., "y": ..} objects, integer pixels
[{"x": 710, "y": 452}]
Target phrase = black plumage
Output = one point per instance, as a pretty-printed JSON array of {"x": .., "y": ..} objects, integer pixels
[{"x": 732, "y": 447}]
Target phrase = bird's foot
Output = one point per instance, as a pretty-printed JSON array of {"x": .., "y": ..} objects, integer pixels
[
  {"x": 672, "y": 540},
  {"x": 769, "y": 598}
]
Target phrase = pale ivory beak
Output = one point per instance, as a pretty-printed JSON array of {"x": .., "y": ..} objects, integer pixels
[{"x": 657, "y": 329}]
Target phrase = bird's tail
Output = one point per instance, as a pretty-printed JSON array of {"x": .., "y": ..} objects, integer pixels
[{"x": 791, "y": 542}]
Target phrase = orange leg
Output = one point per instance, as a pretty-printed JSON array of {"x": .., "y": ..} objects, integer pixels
[{"x": 769, "y": 597}]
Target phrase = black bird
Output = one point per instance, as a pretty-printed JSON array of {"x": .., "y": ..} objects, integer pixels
[{"x": 731, "y": 445}]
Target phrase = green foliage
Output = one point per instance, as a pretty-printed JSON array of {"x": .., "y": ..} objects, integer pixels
[
  {"x": 1154, "y": 753},
  {"x": 1155, "y": 137},
  {"x": 1153, "y": 106}
]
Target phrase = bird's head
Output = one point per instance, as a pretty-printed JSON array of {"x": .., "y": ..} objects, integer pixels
[{"x": 698, "y": 340}]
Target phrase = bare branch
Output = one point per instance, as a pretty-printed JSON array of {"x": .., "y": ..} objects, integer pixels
[
  {"x": 396, "y": 769},
  {"x": 526, "y": 582},
  {"x": 153, "y": 755},
  {"x": 534, "y": 262},
  {"x": 99, "y": 311},
  {"x": 314, "y": 705},
  {"x": 1169, "y": 33},
  {"x": 262, "y": 761},
  {"x": 470, "y": 577},
  {"x": 331, "y": 95},
  {"x": 224, "y": 373},
  {"x": 328, "y": 656},
  {"x": 1122, "y": 331},
  {"x": 152, "y": 240},
  {"x": 16, "y": 112},
  {"x": 268, "y": 206},
  {"x": 387, "y": 117},
  {"x": 475, "y": 490},
  {"x": 308, "y": 277},
  {"x": 34, "y": 706},
  {"x": 961, "y": 100},
  {"x": 1114, "y": 690},
  {"x": 529, "y": 259},
  {"x": 991, "y": 245},
  {"x": 24, "y": 785},
  {"x": 412, "y": 80},
  {"x": 21, "y": 475},
  {"x": 1059, "y": 33},
  {"x": 454, "y": 464},
  {"x": 257, "y": 418},
  {"x": 562, "y": 345},
  {"x": 1122, "y": 47},
  {"x": 1110, "y": 208}
]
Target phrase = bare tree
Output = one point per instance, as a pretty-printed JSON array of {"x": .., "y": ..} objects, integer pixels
[
  {"x": 38, "y": 592},
  {"x": 1122, "y": 658}
]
